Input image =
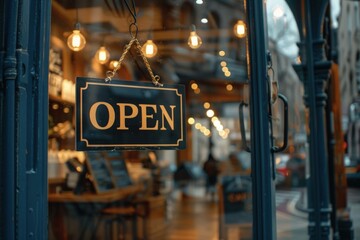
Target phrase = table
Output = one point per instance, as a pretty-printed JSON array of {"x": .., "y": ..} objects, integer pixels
[{"x": 92, "y": 202}]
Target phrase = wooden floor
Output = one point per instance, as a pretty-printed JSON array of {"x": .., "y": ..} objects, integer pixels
[{"x": 197, "y": 218}]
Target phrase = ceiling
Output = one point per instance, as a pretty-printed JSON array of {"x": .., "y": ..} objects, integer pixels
[{"x": 168, "y": 24}]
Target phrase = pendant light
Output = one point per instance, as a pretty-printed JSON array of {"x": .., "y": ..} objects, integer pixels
[
  {"x": 149, "y": 49},
  {"x": 194, "y": 40},
  {"x": 240, "y": 29},
  {"x": 102, "y": 55},
  {"x": 76, "y": 41}
]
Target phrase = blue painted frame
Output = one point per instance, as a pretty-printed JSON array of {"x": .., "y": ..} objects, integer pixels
[{"x": 25, "y": 25}]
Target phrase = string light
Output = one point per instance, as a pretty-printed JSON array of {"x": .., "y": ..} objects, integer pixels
[
  {"x": 191, "y": 120},
  {"x": 194, "y": 40},
  {"x": 229, "y": 87},
  {"x": 113, "y": 64},
  {"x": 149, "y": 49},
  {"x": 204, "y": 20},
  {"x": 76, "y": 41},
  {"x": 206, "y": 105},
  {"x": 210, "y": 113},
  {"x": 102, "y": 55},
  {"x": 240, "y": 29},
  {"x": 222, "y": 53}
]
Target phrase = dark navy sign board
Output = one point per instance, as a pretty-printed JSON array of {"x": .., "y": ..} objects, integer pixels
[{"x": 121, "y": 115}]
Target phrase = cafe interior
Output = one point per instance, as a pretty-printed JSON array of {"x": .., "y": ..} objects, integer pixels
[{"x": 149, "y": 193}]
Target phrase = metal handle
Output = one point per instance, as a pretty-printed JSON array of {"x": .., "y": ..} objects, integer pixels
[
  {"x": 242, "y": 127},
  {"x": 277, "y": 149}
]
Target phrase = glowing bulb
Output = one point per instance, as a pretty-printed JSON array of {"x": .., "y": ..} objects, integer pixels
[
  {"x": 76, "y": 41},
  {"x": 210, "y": 113},
  {"x": 240, "y": 29},
  {"x": 204, "y": 20},
  {"x": 102, "y": 55},
  {"x": 222, "y": 53},
  {"x": 191, "y": 120},
  {"x": 149, "y": 49},
  {"x": 194, "y": 40},
  {"x": 114, "y": 64},
  {"x": 229, "y": 87},
  {"x": 278, "y": 12},
  {"x": 206, "y": 105},
  {"x": 194, "y": 86}
]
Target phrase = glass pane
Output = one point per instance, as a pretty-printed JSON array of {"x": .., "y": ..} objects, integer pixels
[
  {"x": 291, "y": 165},
  {"x": 200, "y": 44}
]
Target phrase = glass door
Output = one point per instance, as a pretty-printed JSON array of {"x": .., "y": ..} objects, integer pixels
[{"x": 202, "y": 192}]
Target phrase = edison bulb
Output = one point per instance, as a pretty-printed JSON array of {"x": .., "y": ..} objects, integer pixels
[
  {"x": 240, "y": 29},
  {"x": 102, "y": 55},
  {"x": 149, "y": 49},
  {"x": 76, "y": 41},
  {"x": 194, "y": 40}
]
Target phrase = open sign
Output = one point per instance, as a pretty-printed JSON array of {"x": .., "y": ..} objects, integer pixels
[{"x": 129, "y": 115}]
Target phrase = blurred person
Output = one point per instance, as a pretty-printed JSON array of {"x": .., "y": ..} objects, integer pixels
[{"x": 211, "y": 169}]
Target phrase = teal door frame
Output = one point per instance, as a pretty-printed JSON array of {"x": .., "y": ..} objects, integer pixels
[
  {"x": 24, "y": 50},
  {"x": 24, "y": 43},
  {"x": 262, "y": 164}
]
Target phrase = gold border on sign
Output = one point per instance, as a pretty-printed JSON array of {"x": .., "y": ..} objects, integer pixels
[{"x": 130, "y": 145}]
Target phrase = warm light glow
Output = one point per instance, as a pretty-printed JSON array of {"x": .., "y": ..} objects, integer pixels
[
  {"x": 197, "y": 91},
  {"x": 221, "y": 53},
  {"x": 228, "y": 74},
  {"x": 223, "y": 64},
  {"x": 199, "y": 2},
  {"x": 55, "y": 106},
  {"x": 204, "y": 20},
  {"x": 206, "y": 105},
  {"x": 194, "y": 40},
  {"x": 76, "y": 41},
  {"x": 225, "y": 69},
  {"x": 213, "y": 119},
  {"x": 191, "y": 120},
  {"x": 240, "y": 29},
  {"x": 113, "y": 64},
  {"x": 194, "y": 86},
  {"x": 278, "y": 12},
  {"x": 229, "y": 87},
  {"x": 217, "y": 123},
  {"x": 102, "y": 55},
  {"x": 207, "y": 132},
  {"x": 198, "y": 126},
  {"x": 210, "y": 113},
  {"x": 149, "y": 49}
]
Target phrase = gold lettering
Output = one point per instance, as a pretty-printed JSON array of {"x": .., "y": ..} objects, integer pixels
[
  {"x": 167, "y": 116},
  {"x": 93, "y": 119},
  {"x": 145, "y": 116},
  {"x": 123, "y": 117}
]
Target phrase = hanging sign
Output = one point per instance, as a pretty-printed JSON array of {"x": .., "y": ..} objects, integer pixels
[{"x": 120, "y": 115}]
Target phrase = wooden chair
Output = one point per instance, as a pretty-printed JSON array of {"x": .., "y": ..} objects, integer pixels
[{"x": 120, "y": 215}]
